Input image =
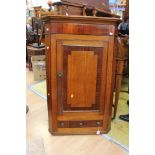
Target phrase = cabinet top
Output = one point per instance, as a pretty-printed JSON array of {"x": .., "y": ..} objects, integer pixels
[{"x": 80, "y": 19}]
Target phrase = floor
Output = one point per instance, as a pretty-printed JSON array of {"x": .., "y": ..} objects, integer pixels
[{"x": 37, "y": 127}]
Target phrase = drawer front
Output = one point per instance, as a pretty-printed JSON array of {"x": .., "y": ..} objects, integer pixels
[{"x": 80, "y": 124}]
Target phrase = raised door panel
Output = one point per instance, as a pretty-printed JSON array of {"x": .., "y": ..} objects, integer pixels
[
  {"x": 81, "y": 91},
  {"x": 81, "y": 72}
]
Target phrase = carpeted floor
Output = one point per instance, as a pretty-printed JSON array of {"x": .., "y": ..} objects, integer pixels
[{"x": 119, "y": 132}]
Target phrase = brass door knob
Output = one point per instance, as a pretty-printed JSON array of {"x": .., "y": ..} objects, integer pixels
[{"x": 60, "y": 74}]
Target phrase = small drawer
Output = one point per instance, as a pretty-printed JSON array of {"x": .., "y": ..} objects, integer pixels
[
  {"x": 80, "y": 124},
  {"x": 77, "y": 124}
]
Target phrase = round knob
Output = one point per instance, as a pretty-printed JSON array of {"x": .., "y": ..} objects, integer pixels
[
  {"x": 47, "y": 47},
  {"x": 48, "y": 94},
  {"x": 98, "y": 123},
  {"x": 110, "y": 33},
  {"x": 47, "y": 29},
  {"x": 62, "y": 124},
  {"x": 81, "y": 124}
]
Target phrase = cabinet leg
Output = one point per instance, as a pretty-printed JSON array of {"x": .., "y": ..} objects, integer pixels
[
  {"x": 119, "y": 74},
  {"x": 117, "y": 92}
]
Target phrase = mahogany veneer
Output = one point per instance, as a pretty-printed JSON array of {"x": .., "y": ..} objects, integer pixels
[{"x": 80, "y": 73}]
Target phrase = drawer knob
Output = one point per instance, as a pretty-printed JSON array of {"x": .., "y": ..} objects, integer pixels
[
  {"x": 81, "y": 124},
  {"x": 110, "y": 33},
  {"x": 98, "y": 123},
  {"x": 48, "y": 94},
  {"x": 62, "y": 124},
  {"x": 47, "y": 29},
  {"x": 47, "y": 47}
]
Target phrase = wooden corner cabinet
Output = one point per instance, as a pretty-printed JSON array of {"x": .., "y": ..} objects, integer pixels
[{"x": 80, "y": 73}]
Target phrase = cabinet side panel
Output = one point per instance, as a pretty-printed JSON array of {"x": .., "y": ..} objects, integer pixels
[
  {"x": 109, "y": 84},
  {"x": 48, "y": 76},
  {"x": 53, "y": 84}
]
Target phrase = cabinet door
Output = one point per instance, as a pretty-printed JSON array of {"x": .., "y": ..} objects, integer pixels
[{"x": 81, "y": 73}]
